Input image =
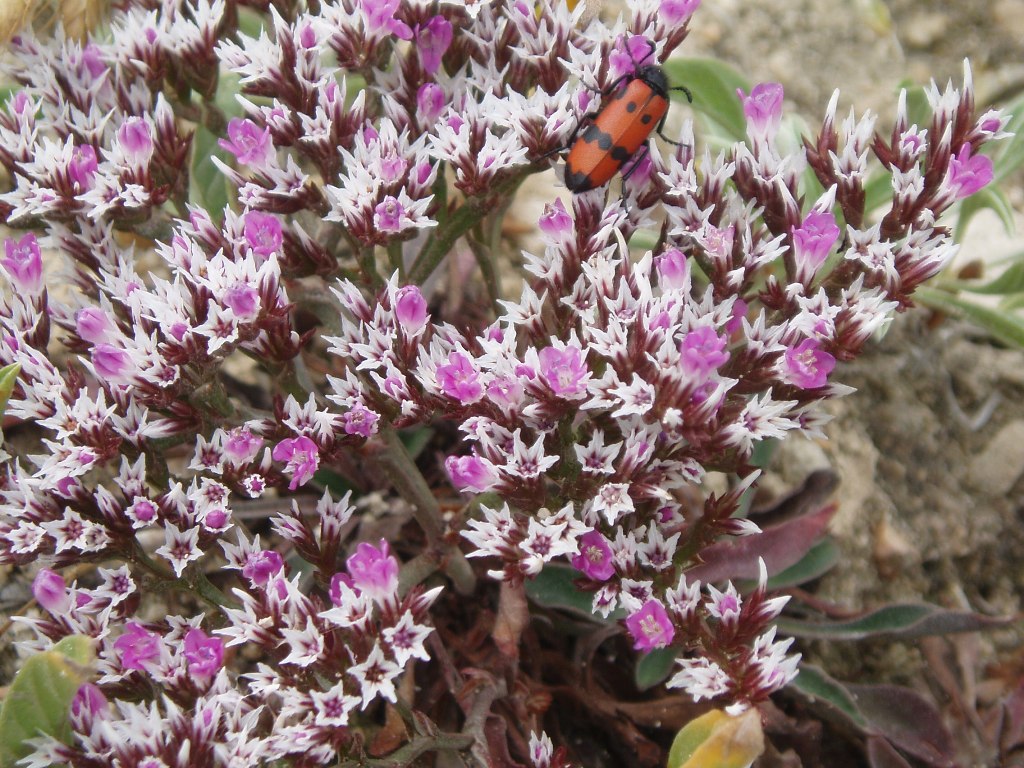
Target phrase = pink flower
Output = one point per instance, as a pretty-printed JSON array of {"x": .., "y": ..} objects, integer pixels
[
  {"x": 813, "y": 241},
  {"x": 380, "y": 15},
  {"x": 51, "y": 592},
  {"x": 204, "y": 654},
  {"x": 430, "y": 102},
  {"x": 673, "y": 270},
  {"x": 432, "y": 40},
  {"x": 261, "y": 566},
  {"x": 111, "y": 362},
  {"x": 93, "y": 325},
  {"x": 262, "y": 232},
  {"x": 88, "y": 704},
  {"x": 301, "y": 457},
  {"x": 595, "y": 556},
  {"x": 807, "y": 365},
  {"x": 556, "y": 222},
  {"x": 387, "y": 216},
  {"x": 410, "y": 309},
  {"x": 243, "y": 300},
  {"x": 247, "y": 142},
  {"x": 966, "y": 174},
  {"x": 23, "y": 263},
  {"x": 241, "y": 445},
  {"x": 629, "y": 54},
  {"x": 459, "y": 379},
  {"x": 763, "y": 109},
  {"x": 136, "y": 646},
  {"x": 564, "y": 370},
  {"x": 471, "y": 473},
  {"x": 702, "y": 352},
  {"x": 83, "y": 166},
  {"x": 374, "y": 571},
  {"x": 360, "y": 420},
  {"x": 650, "y": 627},
  {"x": 136, "y": 141},
  {"x": 672, "y": 13}
]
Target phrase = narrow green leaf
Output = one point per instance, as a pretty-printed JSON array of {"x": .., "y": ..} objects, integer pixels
[
  {"x": 1010, "y": 156},
  {"x": 819, "y": 560},
  {"x": 40, "y": 697},
  {"x": 654, "y": 668},
  {"x": 553, "y": 588},
  {"x": 714, "y": 87},
  {"x": 1010, "y": 281},
  {"x": 908, "y": 621},
  {"x": 877, "y": 191},
  {"x": 8, "y": 378},
  {"x": 209, "y": 187},
  {"x": 813, "y": 683},
  {"x": 1003, "y": 326}
]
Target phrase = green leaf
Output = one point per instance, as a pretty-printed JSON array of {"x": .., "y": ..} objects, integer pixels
[
  {"x": 714, "y": 87},
  {"x": 654, "y": 668},
  {"x": 1009, "y": 282},
  {"x": 907, "y": 620},
  {"x": 209, "y": 187},
  {"x": 415, "y": 440},
  {"x": 819, "y": 560},
  {"x": 553, "y": 588},
  {"x": 39, "y": 699},
  {"x": 992, "y": 198},
  {"x": 8, "y": 378},
  {"x": 1003, "y": 326},
  {"x": 813, "y": 683},
  {"x": 877, "y": 192},
  {"x": 1010, "y": 157}
]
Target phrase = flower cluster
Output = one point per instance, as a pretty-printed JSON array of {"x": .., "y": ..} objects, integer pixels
[{"x": 186, "y": 365}]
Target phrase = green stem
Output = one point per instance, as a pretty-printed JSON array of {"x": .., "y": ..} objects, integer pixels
[
  {"x": 407, "y": 479},
  {"x": 485, "y": 260}
]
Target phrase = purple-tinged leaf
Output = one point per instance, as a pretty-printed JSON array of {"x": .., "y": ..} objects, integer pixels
[
  {"x": 882, "y": 754},
  {"x": 819, "y": 560},
  {"x": 908, "y": 720},
  {"x": 907, "y": 621},
  {"x": 781, "y": 546}
]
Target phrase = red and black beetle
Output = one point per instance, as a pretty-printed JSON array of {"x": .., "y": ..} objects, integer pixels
[{"x": 613, "y": 134}]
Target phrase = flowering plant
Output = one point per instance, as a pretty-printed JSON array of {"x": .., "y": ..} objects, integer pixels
[{"x": 217, "y": 406}]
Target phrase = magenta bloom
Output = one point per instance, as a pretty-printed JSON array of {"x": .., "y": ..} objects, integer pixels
[
  {"x": 471, "y": 473},
  {"x": 672, "y": 13},
  {"x": 360, "y": 420},
  {"x": 24, "y": 264},
  {"x": 50, "y": 591},
  {"x": 136, "y": 141},
  {"x": 243, "y": 300},
  {"x": 247, "y": 142},
  {"x": 628, "y": 54},
  {"x": 83, "y": 166},
  {"x": 93, "y": 325},
  {"x": 301, "y": 457},
  {"x": 673, "y": 270},
  {"x": 763, "y": 108},
  {"x": 430, "y": 101},
  {"x": 374, "y": 571},
  {"x": 813, "y": 241},
  {"x": 260, "y": 567},
  {"x": 262, "y": 232},
  {"x": 410, "y": 309},
  {"x": 111, "y": 362},
  {"x": 459, "y": 379},
  {"x": 241, "y": 445},
  {"x": 387, "y": 216},
  {"x": 595, "y": 557},
  {"x": 380, "y": 15},
  {"x": 702, "y": 352},
  {"x": 564, "y": 370},
  {"x": 555, "y": 222},
  {"x": 88, "y": 704},
  {"x": 137, "y": 646},
  {"x": 432, "y": 40},
  {"x": 807, "y": 365},
  {"x": 204, "y": 654},
  {"x": 966, "y": 174},
  {"x": 650, "y": 627}
]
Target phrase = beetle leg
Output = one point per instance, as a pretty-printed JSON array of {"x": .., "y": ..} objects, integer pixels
[
  {"x": 638, "y": 158},
  {"x": 661, "y": 126}
]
